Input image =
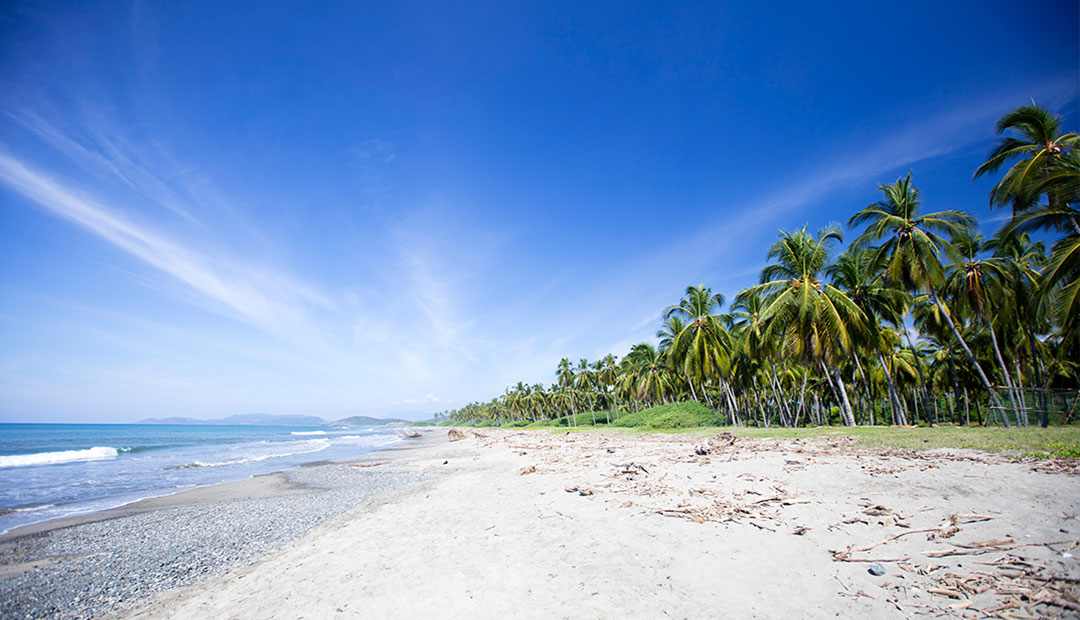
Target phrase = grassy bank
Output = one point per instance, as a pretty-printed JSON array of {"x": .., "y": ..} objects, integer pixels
[{"x": 696, "y": 419}]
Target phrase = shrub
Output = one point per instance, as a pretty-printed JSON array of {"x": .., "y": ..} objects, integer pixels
[{"x": 673, "y": 415}]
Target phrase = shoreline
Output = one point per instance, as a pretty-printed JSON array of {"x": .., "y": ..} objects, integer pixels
[
  {"x": 267, "y": 484},
  {"x": 71, "y": 567}
]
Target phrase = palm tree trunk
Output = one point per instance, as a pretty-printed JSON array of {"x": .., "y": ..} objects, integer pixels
[
  {"x": 785, "y": 414},
  {"x": 899, "y": 416},
  {"x": 922, "y": 381},
  {"x": 1035, "y": 363},
  {"x": 1019, "y": 385},
  {"x": 802, "y": 400},
  {"x": 841, "y": 397},
  {"x": 967, "y": 350},
  {"x": 952, "y": 373},
  {"x": 1004, "y": 373},
  {"x": 849, "y": 415},
  {"x": 866, "y": 385},
  {"x": 573, "y": 413}
]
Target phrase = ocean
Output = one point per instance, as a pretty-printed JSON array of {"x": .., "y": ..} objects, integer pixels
[{"x": 50, "y": 471}]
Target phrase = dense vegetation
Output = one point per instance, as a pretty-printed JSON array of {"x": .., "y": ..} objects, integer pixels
[{"x": 826, "y": 336}]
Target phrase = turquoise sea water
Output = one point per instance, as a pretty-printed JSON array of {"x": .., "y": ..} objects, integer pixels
[{"x": 48, "y": 471}]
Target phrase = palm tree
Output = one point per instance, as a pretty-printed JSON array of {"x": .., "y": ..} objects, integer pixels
[
  {"x": 699, "y": 350},
  {"x": 583, "y": 381},
  {"x": 812, "y": 319},
  {"x": 1036, "y": 149},
  {"x": 749, "y": 322},
  {"x": 1026, "y": 306},
  {"x": 910, "y": 249},
  {"x": 673, "y": 326},
  {"x": 975, "y": 280},
  {"x": 566, "y": 379},
  {"x": 607, "y": 375},
  {"x": 647, "y": 372},
  {"x": 855, "y": 273}
]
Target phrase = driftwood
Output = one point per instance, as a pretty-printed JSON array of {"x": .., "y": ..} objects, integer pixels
[
  {"x": 716, "y": 444},
  {"x": 579, "y": 490},
  {"x": 368, "y": 464},
  {"x": 630, "y": 468},
  {"x": 455, "y": 435}
]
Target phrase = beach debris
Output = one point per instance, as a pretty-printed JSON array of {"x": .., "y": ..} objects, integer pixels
[
  {"x": 800, "y": 530},
  {"x": 716, "y": 444},
  {"x": 478, "y": 434},
  {"x": 530, "y": 469},
  {"x": 455, "y": 435},
  {"x": 411, "y": 434},
  {"x": 368, "y": 464},
  {"x": 876, "y": 570},
  {"x": 630, "y": 468},
  {"x": 579, "y": 490}
]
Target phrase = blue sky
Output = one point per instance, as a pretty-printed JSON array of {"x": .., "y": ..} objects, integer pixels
[{"x": 396, "y": 208}]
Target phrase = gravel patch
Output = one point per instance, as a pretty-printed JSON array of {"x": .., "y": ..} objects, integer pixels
[{"x": 91, "y": 569}]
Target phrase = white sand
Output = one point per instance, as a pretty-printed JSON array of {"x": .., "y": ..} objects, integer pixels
[{"x": 483, "y": 541}]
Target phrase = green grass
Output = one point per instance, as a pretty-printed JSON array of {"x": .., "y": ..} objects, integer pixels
[
  {"x": 580, "y": 420},
  {"x": 1058, "y": 442},
  {"x": 671, "y": 416},
  {"x": 696, "y": 419}
]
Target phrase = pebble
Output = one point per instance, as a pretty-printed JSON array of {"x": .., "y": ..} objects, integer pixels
[
  {"x": 116, "y": 563},
  {"x": 876, "y": 570}
]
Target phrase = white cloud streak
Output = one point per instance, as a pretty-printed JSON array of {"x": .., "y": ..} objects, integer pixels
[{"x": 266, "y": 301}]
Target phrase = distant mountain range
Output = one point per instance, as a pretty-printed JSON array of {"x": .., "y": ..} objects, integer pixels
[
  {"x": 269, "y": 419},
  {"x": 260, "y": 419},
  {"x": 363, "y": 420}
]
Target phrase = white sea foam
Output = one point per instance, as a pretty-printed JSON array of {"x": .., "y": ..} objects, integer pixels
[
  {"x": 314, "y": 445},
  {"x": 34, "y": 508},
  {"x": 308, "y": 433},
  {"x": 63, "y": 456}
]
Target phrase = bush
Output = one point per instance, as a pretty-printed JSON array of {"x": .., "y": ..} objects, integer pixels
[
  {"x": 487, "y": 424},
  {"x": 673, "y": 415},
  {"x": 517, "y": 424}
]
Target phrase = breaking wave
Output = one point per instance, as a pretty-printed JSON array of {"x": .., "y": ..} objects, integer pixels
[{"x": 63, "y": 456}]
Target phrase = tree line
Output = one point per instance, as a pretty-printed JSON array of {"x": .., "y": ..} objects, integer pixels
[{"x": 826, "y": 336}]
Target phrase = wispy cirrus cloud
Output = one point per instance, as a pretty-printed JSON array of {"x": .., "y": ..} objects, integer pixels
[{"x": 265, "y": 300}]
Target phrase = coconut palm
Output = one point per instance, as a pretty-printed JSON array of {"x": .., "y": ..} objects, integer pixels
[
  {"x": 855, "y": 273},
  {"x": 699, "y": 351},
  {"x": 565, "y": 375},
  {"x": 647, "y": 372},
  {"x": 813, "y": 320},
  {"x": 1036, "y": 147},
  {"x": 607, "y": 375},
  {"x": 975, "y": 280},
  {"x": 584, "y": 382},
  {"x": 673, "y": 326},
  {"x": 910, "y": 248}
]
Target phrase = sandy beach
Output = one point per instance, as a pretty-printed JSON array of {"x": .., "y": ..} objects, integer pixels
[{"x": 541, "y": 525}]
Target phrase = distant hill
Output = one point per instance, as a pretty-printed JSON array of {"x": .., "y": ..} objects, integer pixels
[
  {"x": 363, "y": 420},
  {"x": 252, "y": 419}
]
